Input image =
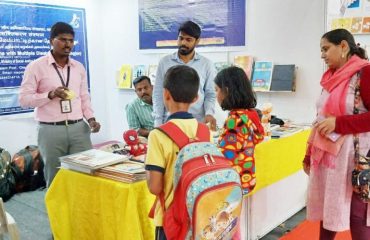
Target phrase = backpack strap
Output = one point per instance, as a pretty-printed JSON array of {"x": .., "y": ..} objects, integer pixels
[
  {"x": 180, "y": 138},
  {"x": 203, "y": 133},
  {"x": 159, "y": 199}
]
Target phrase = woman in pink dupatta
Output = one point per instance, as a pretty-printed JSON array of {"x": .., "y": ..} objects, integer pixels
[{"x": 329, "y": 163}]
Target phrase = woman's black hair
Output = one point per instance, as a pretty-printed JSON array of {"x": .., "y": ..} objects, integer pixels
[
  {"x": 336, "y": 36},
  {"x": 236, "y": 88}
]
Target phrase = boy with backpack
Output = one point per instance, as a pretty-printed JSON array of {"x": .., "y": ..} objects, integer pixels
[{"x": 198, "y": 192}]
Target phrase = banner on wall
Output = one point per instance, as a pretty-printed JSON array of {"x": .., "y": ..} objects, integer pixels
[
  {"x": 24, "y": 36},
  {"x": 353, "y": 15},
  {"x": 222, "y": 22}
]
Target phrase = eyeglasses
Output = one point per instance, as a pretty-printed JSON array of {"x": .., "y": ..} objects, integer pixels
[{"x": 66, "y": 40}]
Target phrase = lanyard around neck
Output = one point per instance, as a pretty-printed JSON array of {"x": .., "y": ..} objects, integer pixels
[{"x": 60, "y": 76}]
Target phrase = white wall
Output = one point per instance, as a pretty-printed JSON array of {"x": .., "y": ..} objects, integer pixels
[
  {"x": 285, "y": 31},
  {"x": 289, "y": 32}
]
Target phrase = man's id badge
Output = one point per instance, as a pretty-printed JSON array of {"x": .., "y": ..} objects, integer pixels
[{"x": 65, "y": 106}]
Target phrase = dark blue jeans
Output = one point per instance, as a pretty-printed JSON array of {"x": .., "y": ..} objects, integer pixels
[{"x": 159, "y": 234}]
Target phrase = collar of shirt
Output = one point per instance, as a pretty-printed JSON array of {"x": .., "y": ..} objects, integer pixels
[
  {"x": 180, "y": 115},
  {"x": 51, "y": 60},
  {"x": 175, "y": 57},
  {"x": 142, "y": 103}
]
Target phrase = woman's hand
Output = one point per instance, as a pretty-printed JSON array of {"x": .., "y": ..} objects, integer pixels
[
  {"x": 326, "y": 126},
  {"x": 307, "y": 164}
]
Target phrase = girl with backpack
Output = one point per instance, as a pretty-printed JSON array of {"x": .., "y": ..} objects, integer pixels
[{"x": 242, "y": 129}]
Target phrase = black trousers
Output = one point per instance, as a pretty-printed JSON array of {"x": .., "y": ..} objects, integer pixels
[{"x": 159, "y": 234}]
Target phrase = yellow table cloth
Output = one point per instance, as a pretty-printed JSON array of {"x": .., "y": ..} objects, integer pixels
[
  {"x": 81, "y": 207},
  {"x": 279, "y": 158}
]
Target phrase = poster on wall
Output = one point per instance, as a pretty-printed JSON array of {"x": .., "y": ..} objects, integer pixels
[
  {"x": 353, "y": 15},
  {"x": 24, "y": 36},
  {"x": 222, "y": 22}
]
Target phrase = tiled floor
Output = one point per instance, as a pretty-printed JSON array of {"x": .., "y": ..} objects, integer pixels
[{"x": 286, "y": 227}]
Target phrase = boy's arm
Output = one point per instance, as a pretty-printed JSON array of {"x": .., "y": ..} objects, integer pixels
[
  {"x": 155, "y": 163},
  {"x": 154, "y": 180}
]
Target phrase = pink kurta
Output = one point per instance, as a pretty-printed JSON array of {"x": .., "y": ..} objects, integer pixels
[{"x": 330, "y": 189}]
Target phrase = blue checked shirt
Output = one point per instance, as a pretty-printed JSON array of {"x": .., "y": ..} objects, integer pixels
[{"x": 207, "y": 95}]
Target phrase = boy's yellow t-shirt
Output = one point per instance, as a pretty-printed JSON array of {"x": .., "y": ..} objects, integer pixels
[{"x": 161, "y": 156}]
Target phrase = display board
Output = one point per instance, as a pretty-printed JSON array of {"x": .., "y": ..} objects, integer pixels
[
  {"x": 24, "y": 36},
  {"x": 353, "y": 15},
  {"x": 222, "y": 22}
]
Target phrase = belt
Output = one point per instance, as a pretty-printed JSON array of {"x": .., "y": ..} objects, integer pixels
[{"x": 65, "y": 122}]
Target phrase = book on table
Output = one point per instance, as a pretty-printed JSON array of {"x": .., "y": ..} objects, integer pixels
[
  {"x": 127, "y": 171},
  {"x": 90, "y": 160},
  {"x": 285, "y": 131}
]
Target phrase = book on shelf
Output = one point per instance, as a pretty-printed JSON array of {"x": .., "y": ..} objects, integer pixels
[
  {"x": 124, "y": 78},
  {"x": 283, "y": 78},
  {"x": 221, "y": 65},
  {"x": 262, "y": 75},
  {"x": 90, "y": 160},
  {"x": 152, "y": 73},
  {"x": 138, "y": 71},
  {"x": 245, "y": 63}
]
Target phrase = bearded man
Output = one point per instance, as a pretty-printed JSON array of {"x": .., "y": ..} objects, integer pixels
[{"x": 204, "y": 108}]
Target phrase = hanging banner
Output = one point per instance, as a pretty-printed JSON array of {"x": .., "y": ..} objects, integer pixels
[
  {"x": 222, "y": 22},
  {"x": 24, "y": 36}
]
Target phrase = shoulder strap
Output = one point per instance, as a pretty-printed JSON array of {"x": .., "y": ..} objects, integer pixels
[
  {"x": 180, "y": 138},
  {"x": 203, "y": 133},
  {"x": 357, "y": 99}
]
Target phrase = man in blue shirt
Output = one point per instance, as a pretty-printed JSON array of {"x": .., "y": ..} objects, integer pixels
[
  {"x": 139, "y": 112},
  {"x": 204, "y": 108}
]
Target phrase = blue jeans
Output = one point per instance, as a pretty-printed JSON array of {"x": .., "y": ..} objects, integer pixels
[{"x": 159, "y": 234}]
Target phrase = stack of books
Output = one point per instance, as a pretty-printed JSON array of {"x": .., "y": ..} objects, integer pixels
[
  {"x": 128, "y": 172},
  {"x": 91, "y": 160}
]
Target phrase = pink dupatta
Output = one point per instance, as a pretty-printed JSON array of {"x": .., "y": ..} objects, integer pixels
[{"x": 336, "y": 83}]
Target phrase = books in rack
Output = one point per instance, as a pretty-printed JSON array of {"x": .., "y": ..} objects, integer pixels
[
  {"x": 283, "y": 78},
  {"x": 124, "y": 78},
  {"x": 127, "y": 171},
  {"x": 138, "y": 71},
  {"x": 221, "y": 65},
  {"x": 262, "y": 75},
  {"x": 90, "y": 160},
  {"x": 246, "y": 63},
  {"x": 152, "y": 72}
]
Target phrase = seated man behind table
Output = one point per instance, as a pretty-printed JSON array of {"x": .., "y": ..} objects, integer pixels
[{"x": 139, "y": 112}]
